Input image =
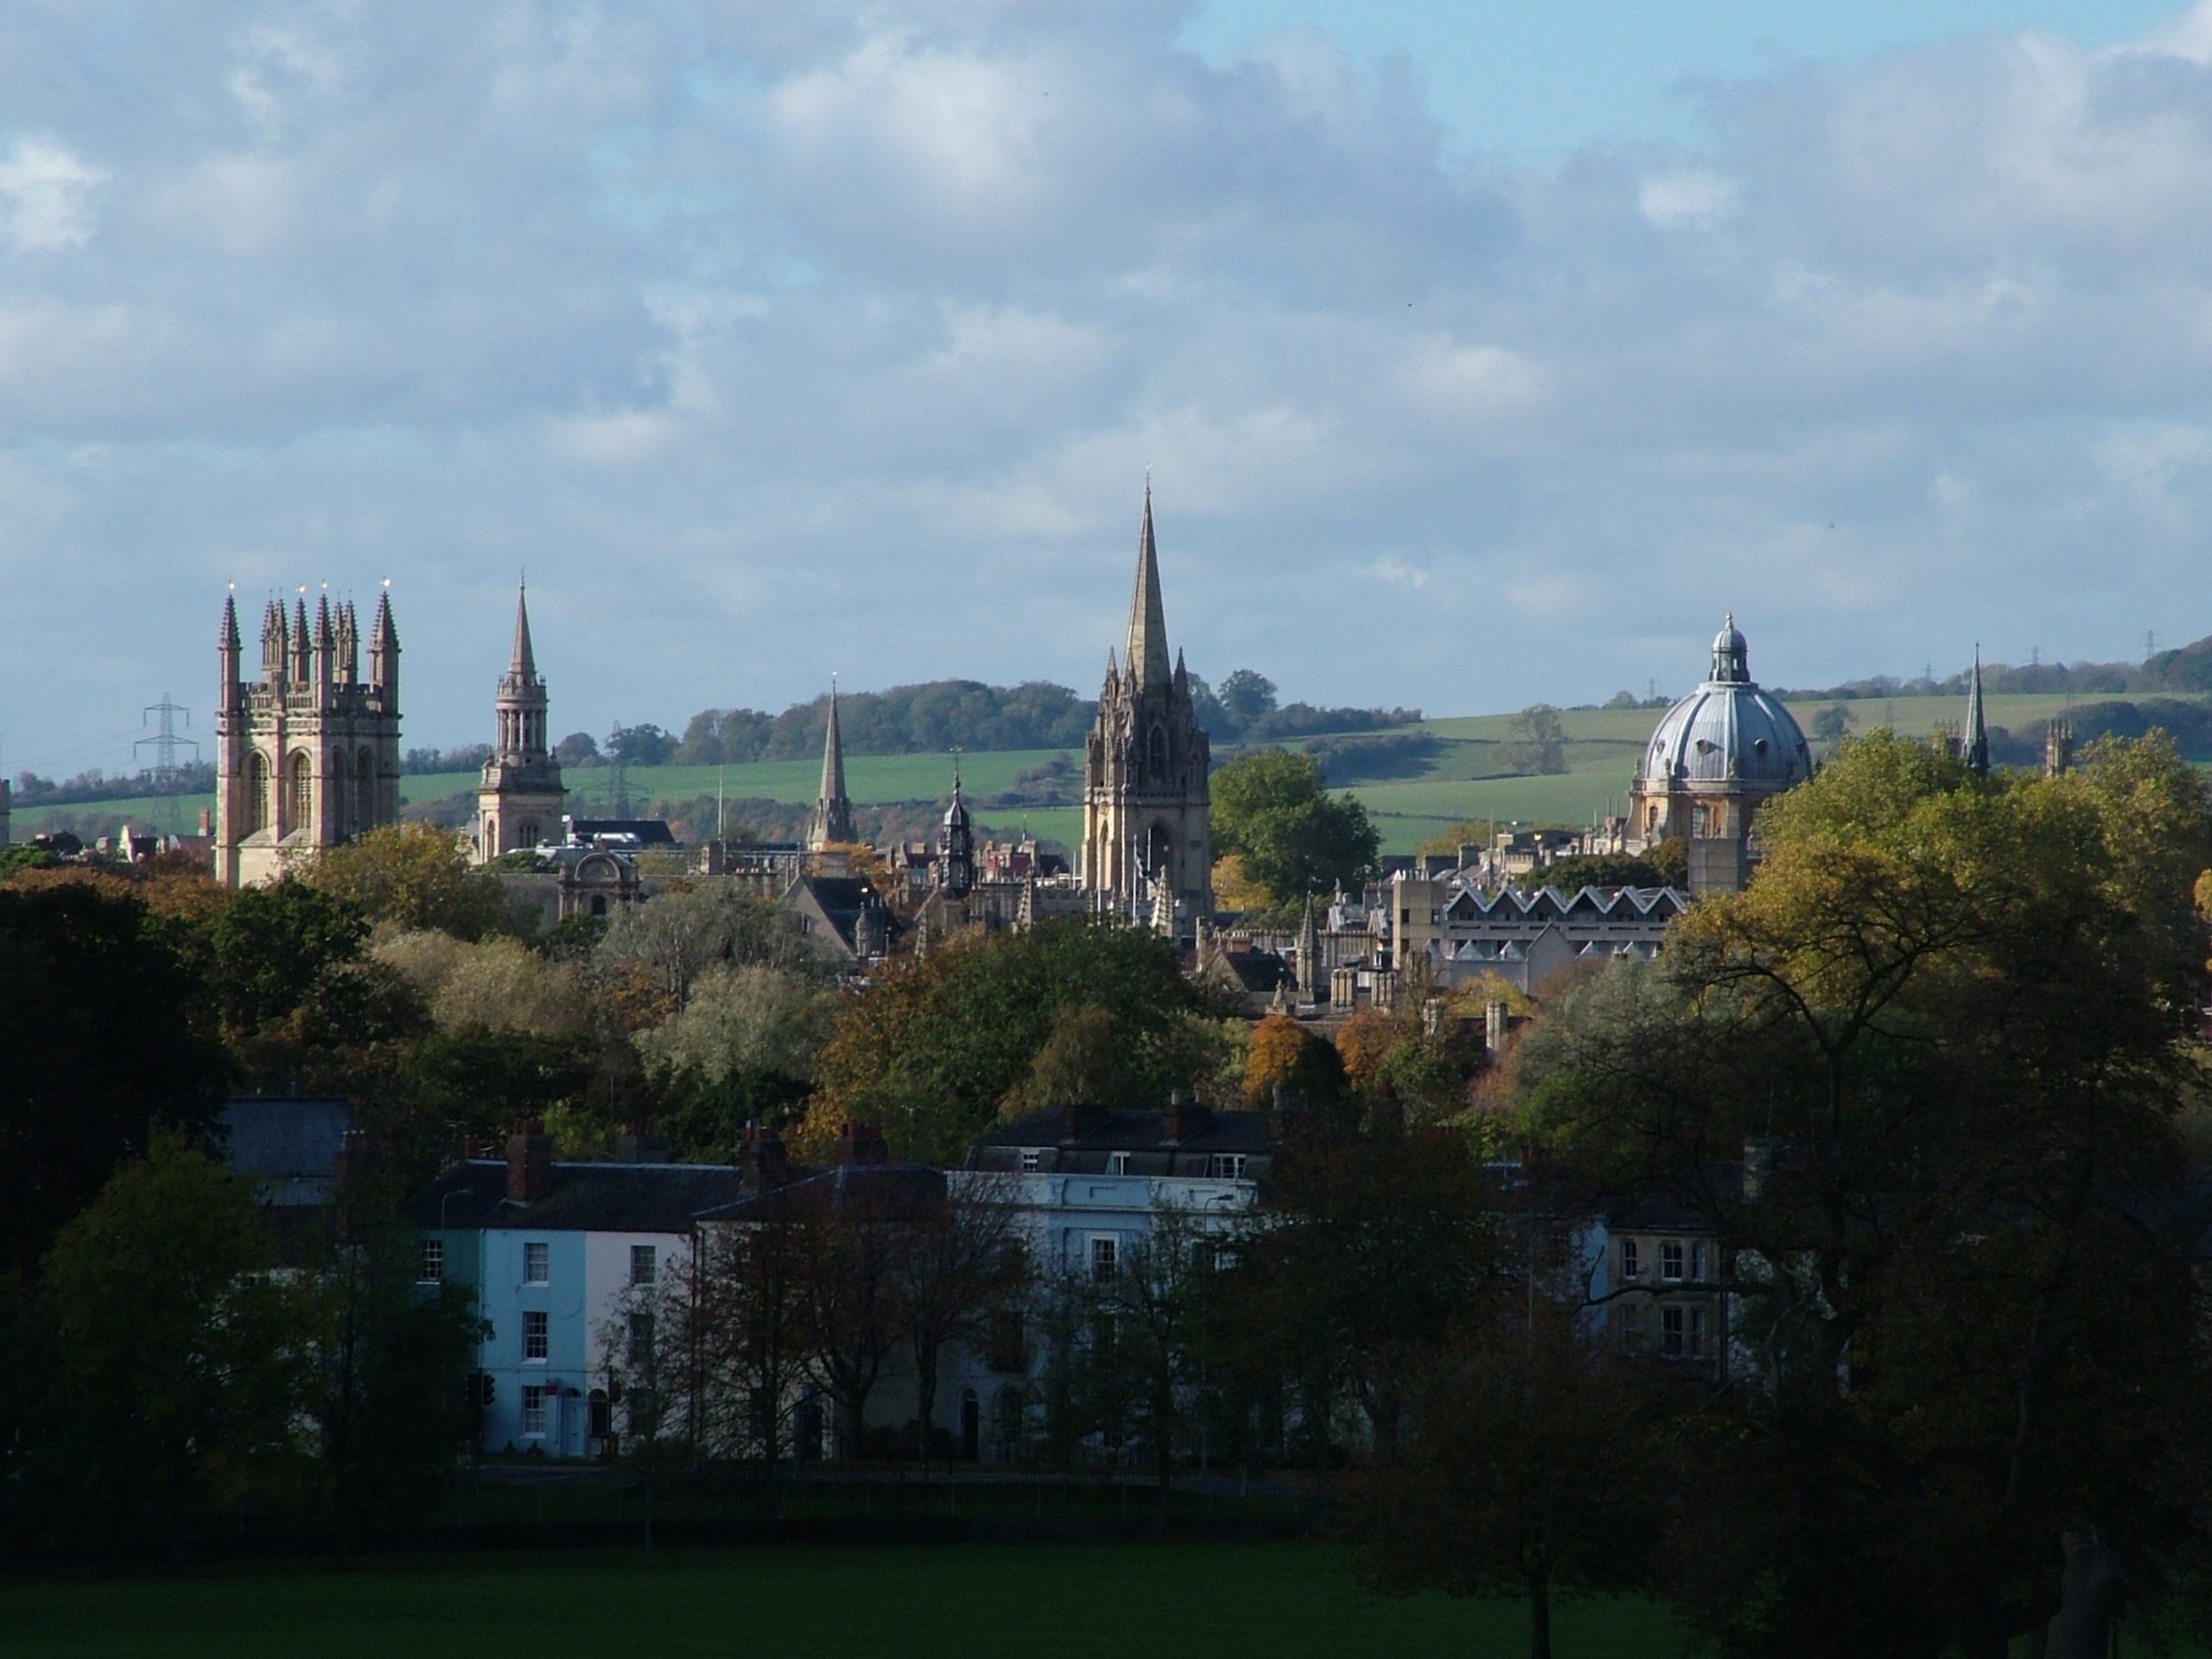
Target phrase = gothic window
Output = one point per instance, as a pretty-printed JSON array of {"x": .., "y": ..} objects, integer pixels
[
  {"x": 526, "y": 835},
  {"x": 1159, "y": 754},
  {"x": 257, "y": 791},
  {"x": 1651, "y": 821},
  {"x": 302, "y": 791},
  {"x": 1700, "y": 820},
  {"x": 1160, "y": 852},
  {"x": 365, "y": 790}
]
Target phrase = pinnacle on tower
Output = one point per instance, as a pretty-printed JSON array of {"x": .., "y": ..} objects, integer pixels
[
  {"x": 1147, "y": 653},
  {"x": 230, "y": 634},
  {"x": 1974, "y": 739}
]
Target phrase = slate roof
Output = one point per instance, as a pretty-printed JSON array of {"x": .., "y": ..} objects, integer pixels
[
  {"x": 888, "y": 1190},
  {"x": 285, "y": 1135},
  {"x": 1244, "y": 1132},
  {"x": 583, "y": 1198},
  {"x": 649, "y": 832}
]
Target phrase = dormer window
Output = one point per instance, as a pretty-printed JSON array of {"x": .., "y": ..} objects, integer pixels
[{"x": 1031, "y": 1158}]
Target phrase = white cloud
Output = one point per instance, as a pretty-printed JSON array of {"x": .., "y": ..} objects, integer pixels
[
  {"x": 46, "y": 197},
  {"x": 1693, "y": 198},
  {"x": 781, "y": 338}
]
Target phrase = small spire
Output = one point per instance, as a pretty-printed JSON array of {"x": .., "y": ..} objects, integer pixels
[
  {"x": 231, "y": 619},
  {"x": 833, "y": 811},
  {"x": 522, "y": 663}
]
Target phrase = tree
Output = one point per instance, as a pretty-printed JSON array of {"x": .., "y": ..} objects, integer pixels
[
  {"x": 167, "y": 1360},
  {"x": 929, "y": 1050},
  {"x": 1138, "y": 1361},
  {"x": 963, "y": 1276},
  {"x": 1271, "y": 811},
  {"x": 272, "y": 944},
  {"x": 1082, "y": 1060},
  {"x": 683, "y": 933},
  {"x": 1602, "y": 870},
  {"x": 1526, "y": 1473},
  {"x": 1833, "y": 724},
  {"x": 641, "y": 746},
  {"x": 577, "y": 749},
  {"x": 859, "y": 1219},
  {"x": 110, "y": 1037},
  {"x": 1957, "y": 1010},
  {"x": 1247, "y": 695},
  {"x": 385, "y": 1366},
  {"x": 412, "y": 875},
  {"x": 1535, "y": 741},
  {"x": 1283, "y": 1054}
]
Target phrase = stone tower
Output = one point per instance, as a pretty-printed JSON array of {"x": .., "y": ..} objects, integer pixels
[
  {"x": 308, "y": 754},
  {"x": 521, "y": 798},
  {"x": 833, "y": 813},
  {"x": 1145, "y": 794}
]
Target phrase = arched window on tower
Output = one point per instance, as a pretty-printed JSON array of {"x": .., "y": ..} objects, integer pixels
[
  {"x": 365, "y": 792},
  {"x": 302, "y": 809},
  {"x": 257, "y": 792},
  {"x": 1651, "y": 821},
  {"x": 526, "y": 834},
  {"x": 1700, "y": 821},
  {"x": 1156, "y": 754}
]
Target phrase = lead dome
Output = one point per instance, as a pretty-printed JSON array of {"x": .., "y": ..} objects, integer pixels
[{"x": 1727, "y": 731}]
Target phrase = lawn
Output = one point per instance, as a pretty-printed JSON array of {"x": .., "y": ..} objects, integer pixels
[{"x": 1220, "y": 1600}]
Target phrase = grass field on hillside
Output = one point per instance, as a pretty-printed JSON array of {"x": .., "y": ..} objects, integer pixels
[
  {"x": 1452, "y": 786},
  {"x": 977, "y": 1601}
]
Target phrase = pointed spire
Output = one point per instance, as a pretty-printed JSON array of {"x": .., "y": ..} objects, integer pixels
[
  {"x": 382, "y": 635},
  {"x": 522, "y": 664},
  {"x": 322, "y": 623},
  {"x": 230, "y": 637},
  {"x": 1973, "y": 740},
  {"x": 1147, "y": 654},
  {"x": 833, "y": 812}
]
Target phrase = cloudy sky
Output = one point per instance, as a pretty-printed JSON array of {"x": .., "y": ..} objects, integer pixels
[{"x": 1482, "y": 352}]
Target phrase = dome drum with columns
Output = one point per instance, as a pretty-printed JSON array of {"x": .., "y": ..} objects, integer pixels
[{"x": 1717, "y": 754}]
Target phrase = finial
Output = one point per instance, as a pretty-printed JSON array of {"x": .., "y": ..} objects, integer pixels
[{"x": 1728, "y": 619}]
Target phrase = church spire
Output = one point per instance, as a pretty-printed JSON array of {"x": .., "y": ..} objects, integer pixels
[
  {"x": 833, "y": 812},
  {"x": 1973, "y": 740},
  {"x": 1148, "y": 662},
  {"x": 522, "y": 663}
]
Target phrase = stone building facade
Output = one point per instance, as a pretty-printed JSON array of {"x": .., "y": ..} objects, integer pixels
[{"x": 308, "y": 753}]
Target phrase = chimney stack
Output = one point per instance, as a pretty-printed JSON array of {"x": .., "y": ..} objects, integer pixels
[
  {"x": 1079, "y": 1118},
  {"x": 1184, "y": 1118},
  {"x": 530, "y": 1161},
  {"x": 637, "y": 1144},
  {"x": 761, "y": 1162},
  {"x": 861, "y": 1143}
]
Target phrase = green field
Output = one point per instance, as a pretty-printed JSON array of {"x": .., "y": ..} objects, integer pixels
[
  {"x": 1454, "y": 785},
  {"x": 1162, "y": 1601}
]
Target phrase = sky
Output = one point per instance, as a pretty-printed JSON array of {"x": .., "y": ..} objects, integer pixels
[{"x": 1481, "y": 353}]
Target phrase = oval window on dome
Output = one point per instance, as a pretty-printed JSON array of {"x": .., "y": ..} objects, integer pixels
[
  {"x": 1759, "y": 745},
  {"x": 1704, "y": 746}
]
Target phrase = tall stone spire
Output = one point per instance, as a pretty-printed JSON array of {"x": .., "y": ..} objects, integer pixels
[
  {"x": 1147, "y": 660},
  {"x": 833, "y": 813},
  {"x": 522, "y": 702},
  {"x": 521, "y": 799},
  {"x": 1974, "y": 738}
]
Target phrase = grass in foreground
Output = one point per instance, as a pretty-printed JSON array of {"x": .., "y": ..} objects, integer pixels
[{"x": 976, "y": 1601}]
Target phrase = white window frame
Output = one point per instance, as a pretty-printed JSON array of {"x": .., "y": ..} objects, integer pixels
[
  {"x": 1117, "y": 1163},
  {"x": 1697, "y": 1333},
  {"x": 1672, "y": 1339},
  {"x": 1032, "y": 1158},
  {"x": 1697, "y": 1260},
  {"x": 1103, "y": 1255},
  {"x": 430, "y": 1263},
  {"x": 536, "y": 1262},
  {"x": 1631, "y": 1260},
  {"x": 648, "y": 1257},
  {"x": 1227, "y": 1166},
  {"x": 537, "y": 1334},
  {"x": 1670, "y": 1260},
  {"x": 639, "y": 1348},
  {"x": 534, "y": 1395}
]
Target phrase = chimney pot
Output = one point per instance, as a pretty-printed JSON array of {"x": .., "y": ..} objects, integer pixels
[{"x": 530, "y": 1161}]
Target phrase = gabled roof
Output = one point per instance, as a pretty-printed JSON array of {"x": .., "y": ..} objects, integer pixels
[
  {"x": 285, "y": 1134},
  {"x": 582, "y": 1198}
]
